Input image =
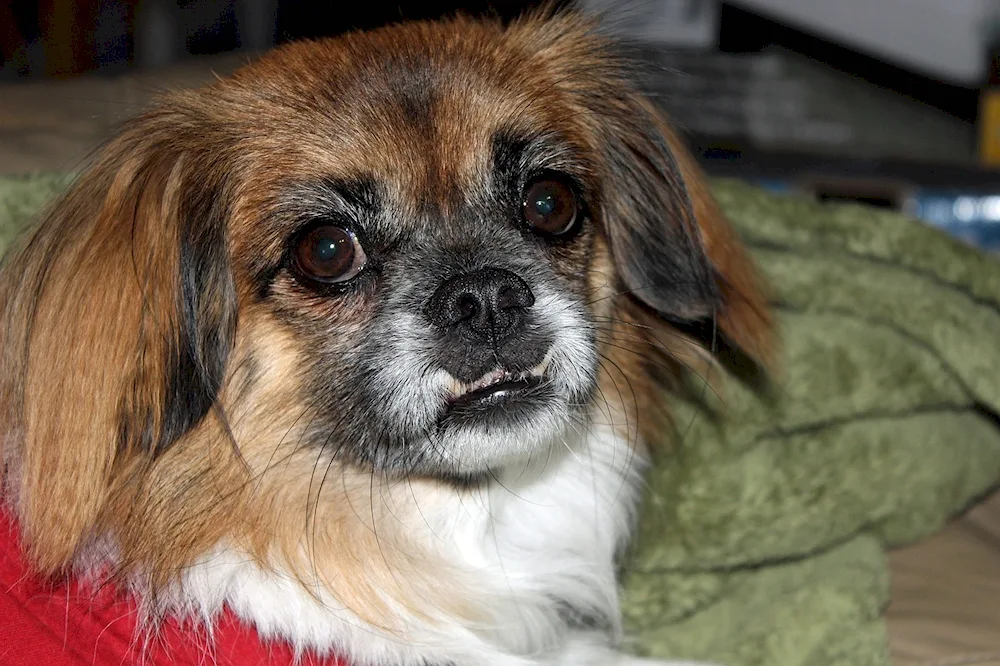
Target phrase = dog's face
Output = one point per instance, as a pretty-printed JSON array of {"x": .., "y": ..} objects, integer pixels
[
  {"x": 439, "y": 284},
  {"x": 410, "y": 253}
]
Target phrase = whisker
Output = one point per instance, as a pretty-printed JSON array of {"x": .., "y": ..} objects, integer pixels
[{"x": 631, "y": 442}]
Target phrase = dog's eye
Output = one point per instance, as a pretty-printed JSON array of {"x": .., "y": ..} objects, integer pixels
[
  {"x": 329, "y": 253},
  {"x": 550, "y": 206}
]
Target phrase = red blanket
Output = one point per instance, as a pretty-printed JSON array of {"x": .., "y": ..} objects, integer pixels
[{"x": 69, "y": 625}]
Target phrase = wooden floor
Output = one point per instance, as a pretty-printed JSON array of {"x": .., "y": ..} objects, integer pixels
[{"x": 945, "y": 608}]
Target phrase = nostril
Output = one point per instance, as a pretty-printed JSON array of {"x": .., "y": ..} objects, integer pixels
[
  {"x": 508, "y": 298},
  {"x": 515, "y": 296},
  {"x": 467, "y": 307}
]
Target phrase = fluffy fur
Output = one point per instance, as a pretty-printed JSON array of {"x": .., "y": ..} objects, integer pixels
[{"x": 185, "y": 415}]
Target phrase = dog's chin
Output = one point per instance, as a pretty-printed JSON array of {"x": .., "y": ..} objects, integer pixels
[
  {"x": 500, "y": 421},
  {"x": 506, "y": 428}
]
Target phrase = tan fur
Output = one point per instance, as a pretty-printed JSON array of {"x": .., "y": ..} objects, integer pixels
[{"x": 336, "y": 528}]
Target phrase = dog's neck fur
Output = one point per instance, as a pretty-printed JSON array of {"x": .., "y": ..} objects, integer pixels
[{"x": 534, "y": 548}]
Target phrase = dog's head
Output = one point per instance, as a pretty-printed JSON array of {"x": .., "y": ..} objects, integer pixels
[{"x": 407, "y": 253}]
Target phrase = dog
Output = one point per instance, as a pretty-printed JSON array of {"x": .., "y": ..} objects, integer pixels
[{"x": 369, "y": 343}]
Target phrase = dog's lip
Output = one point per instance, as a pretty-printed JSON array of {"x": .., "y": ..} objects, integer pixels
[{"x": 495, "y": 378}]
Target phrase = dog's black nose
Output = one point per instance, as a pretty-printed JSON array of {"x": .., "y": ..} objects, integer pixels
[{"x": 487, "y": 305}]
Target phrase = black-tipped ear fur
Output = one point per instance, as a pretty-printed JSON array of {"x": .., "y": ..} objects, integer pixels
[
  {"x": 117, "y": 315},
  {"x": 201, "y": 316},
  {"x": 651, "y": 226},
  {"x": 674, "y": 250}
]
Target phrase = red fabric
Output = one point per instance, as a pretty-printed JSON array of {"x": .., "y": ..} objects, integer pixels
[{"x": 68, "y": 625}]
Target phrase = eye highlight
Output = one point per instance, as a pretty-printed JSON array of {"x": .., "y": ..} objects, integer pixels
[
  {"x": 550, "y": 205},
  {"x": 329, "y": 254}
]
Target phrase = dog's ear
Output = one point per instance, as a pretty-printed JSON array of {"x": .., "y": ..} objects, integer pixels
[
  {"x": 673, "y": 248},
  {"x": 118, "y": 314}
]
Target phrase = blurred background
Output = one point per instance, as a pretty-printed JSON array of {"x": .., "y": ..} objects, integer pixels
[{"x": 894, "y": 103}]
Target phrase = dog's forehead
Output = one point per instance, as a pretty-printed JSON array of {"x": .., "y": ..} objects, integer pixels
[
  {"x": 423, "y": 122},
  {"x": 428, "y": 131}
]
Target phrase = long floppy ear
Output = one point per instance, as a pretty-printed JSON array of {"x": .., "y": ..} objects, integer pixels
[
  {"x": 673, "y": 248},
  {"x": 117, "y": 315}
]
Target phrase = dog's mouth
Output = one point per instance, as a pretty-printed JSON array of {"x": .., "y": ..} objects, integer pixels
[{"x": 494, "y": 388}]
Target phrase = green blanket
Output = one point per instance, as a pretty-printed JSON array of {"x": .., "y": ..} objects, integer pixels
[{"x": 763, "y": 538}]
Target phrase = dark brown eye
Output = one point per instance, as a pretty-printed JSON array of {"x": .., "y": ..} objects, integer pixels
[
  {"x": 550, "y": 206},
  {"x": 329, "y": 254}
]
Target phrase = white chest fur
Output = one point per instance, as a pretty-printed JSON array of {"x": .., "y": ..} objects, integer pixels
[{"x": 531, "y": 544}]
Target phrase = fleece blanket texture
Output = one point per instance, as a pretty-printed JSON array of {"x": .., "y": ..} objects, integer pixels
[{"x": 763, "y": 535}]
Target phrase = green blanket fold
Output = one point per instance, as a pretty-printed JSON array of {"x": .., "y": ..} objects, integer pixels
[
  {"x": 762, "y": 541},
  {"x": 763, "y": 538}
]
